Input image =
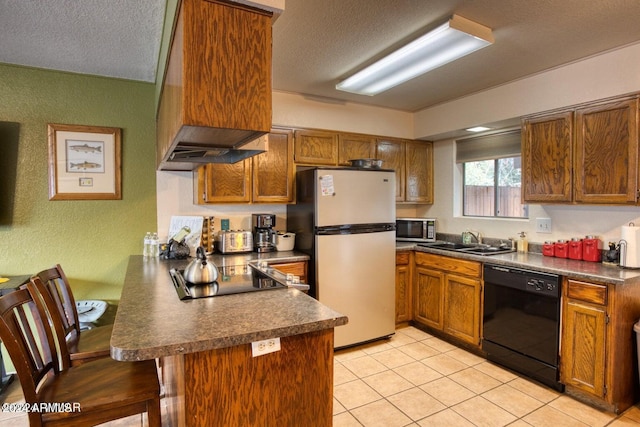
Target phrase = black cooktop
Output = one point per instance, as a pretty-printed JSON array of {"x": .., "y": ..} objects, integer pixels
[{"x": 231, "y": 280}]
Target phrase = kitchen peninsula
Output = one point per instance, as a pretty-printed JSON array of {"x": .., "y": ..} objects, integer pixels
[{"x": 205, "y": 353}]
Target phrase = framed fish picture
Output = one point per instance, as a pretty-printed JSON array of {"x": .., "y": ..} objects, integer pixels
[{"x": 84, "y": 162}]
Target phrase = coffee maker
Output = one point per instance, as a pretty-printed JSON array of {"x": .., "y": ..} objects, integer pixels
[{"x": 264, "y": 236}]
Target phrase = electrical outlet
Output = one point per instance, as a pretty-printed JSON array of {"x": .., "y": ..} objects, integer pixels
[
  {"x": 543, "y": 225},
  {"x": 260, "y": 348}
]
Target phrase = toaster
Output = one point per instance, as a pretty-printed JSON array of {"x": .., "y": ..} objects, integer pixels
[{"x": 235, "y": 241}]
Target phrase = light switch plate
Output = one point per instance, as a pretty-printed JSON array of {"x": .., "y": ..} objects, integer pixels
[{"x": 543, "y": 225}]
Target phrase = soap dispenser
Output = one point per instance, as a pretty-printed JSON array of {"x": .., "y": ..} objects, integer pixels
[{"x": 523, "y": 245}]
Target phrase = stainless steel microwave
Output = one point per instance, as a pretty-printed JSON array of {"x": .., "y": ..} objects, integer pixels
[{"x": 416, "y": 229}]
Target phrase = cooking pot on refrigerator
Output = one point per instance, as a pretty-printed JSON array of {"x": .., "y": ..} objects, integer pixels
[{"x": 199, "y": 271}]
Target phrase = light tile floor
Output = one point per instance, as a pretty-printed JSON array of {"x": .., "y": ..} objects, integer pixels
[{"x": 415, "y": 379}]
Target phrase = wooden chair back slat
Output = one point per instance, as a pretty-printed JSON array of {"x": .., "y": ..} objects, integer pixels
[
  {"x": 28, "y": 340},
  {"x": 59, "y": 288}
]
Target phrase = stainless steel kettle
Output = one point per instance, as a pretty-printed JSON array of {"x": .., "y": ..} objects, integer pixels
[{"x": 199, "y": 271}]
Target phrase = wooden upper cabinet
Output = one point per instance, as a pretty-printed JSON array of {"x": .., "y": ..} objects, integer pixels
[
  {"x": 224, "y": 183},
  {"x": 606, "y": 153},
  {"x": 355, "y": 147},
  {"x": 413, "y": 163},
  {"x": 315, "y": 147},
  {"x": 587, "y": 155},
  {"x": 265, "y": 178},
  {"x": 546, "y": 158},
  {"x": 419, "y": 172},
  {"x": 273, "y": 175},
  {"x": 391, "y": 152},
  {"x": 217, "y": 86}
]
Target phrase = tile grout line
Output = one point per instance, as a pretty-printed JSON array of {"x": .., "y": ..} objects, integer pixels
[{"x": 509, "y": 383}]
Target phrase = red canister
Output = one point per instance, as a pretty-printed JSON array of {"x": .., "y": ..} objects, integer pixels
[
  {"x": 575, "y": 248},
  {"x": 548, "y": 248},
  {"x": 561, "y": 249},
  {"x": 592, "y": 249}
]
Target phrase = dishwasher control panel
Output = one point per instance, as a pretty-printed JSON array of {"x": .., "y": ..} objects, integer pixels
[
  {"x": 542, "y": 286},
  {"x": 525, "y": 280}
]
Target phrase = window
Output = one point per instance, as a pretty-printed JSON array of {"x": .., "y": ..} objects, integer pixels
[{"x": 492, "y": 171}]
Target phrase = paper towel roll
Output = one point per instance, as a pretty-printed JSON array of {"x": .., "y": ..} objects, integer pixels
[{"x": 630, "y": 239}]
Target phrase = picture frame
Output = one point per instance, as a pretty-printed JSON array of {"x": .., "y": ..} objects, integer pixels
[{"x": 85, "y": 162}]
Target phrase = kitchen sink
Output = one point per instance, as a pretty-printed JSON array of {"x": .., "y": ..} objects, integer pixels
[
  {"x": 476, "y": 249},
  {"x": 486, "y": 250},
  {"x": 448, "y": 246}
]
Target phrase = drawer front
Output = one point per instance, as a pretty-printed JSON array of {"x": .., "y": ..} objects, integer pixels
[
  {"x": 295, "y": 268},
  {"x": 587, "y": 292},
  {"x": 402, "y": 258},
  {"x": 449, "y": 265}
]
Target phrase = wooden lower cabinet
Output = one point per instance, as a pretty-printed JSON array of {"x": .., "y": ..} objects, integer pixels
[
  {"x": 404, "y": 311},
  {"x": 598, "y": 361},
  {"x": 462, "y": 308},
  {"x": 428, "y": 297},
  {"x": 447, "y": 296},
  {"x": 229, "y": 387},
  {"x": 583, "y": 352}
]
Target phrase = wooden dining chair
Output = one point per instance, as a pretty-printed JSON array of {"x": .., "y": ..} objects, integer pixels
[
  {"x": 90, "y": 344},
  {"x": 92, "y": 393}
]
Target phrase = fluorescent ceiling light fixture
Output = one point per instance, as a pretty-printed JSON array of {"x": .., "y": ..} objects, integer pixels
[
  {"x": 477, "y": 129},
  {"x": 450, "y": 41}
]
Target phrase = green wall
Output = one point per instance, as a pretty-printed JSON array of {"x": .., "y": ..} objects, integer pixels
[{"x": 92, "y": 240}]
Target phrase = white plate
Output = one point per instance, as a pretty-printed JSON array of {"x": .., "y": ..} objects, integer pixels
[{"x": 90, "y": 310}]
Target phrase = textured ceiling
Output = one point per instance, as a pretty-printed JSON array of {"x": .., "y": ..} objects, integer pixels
[
  {"x": 114, "y": 38},
  {"x": 317, "y": 43}
]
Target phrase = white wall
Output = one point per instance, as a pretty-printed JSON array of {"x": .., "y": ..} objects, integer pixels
[
  {"x": 607, "y": 75},
  {"x": 313, "y": 112}
]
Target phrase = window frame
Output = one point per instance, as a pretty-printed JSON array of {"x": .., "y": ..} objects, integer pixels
[{"x": 496, "y": 163}]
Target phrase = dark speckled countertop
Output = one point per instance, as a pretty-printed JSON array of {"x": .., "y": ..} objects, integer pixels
[
  {"x": 152, "y": 322},
  {"x": 593, "y": 271}
]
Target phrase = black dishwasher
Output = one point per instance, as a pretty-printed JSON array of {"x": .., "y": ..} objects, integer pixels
[{"x": 521, "y": 321}]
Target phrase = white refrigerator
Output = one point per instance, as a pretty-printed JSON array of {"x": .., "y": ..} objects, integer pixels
[{"x": 345, "y": 220}]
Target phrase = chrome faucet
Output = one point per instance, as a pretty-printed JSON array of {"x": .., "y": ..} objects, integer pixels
[
  {"x": 477, "y": 236},
  {"x": 466, "y": 237}
]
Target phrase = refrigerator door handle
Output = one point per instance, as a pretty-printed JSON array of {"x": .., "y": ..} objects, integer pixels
[{"x": 355, "y": 229}]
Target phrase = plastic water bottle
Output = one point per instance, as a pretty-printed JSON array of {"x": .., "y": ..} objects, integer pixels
[
  {"x": 146, "y": 249},
  {"x": 154, "y": 246}
]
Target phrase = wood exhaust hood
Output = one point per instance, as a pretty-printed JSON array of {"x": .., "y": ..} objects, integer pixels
[{"x": 215, "y": 104}]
